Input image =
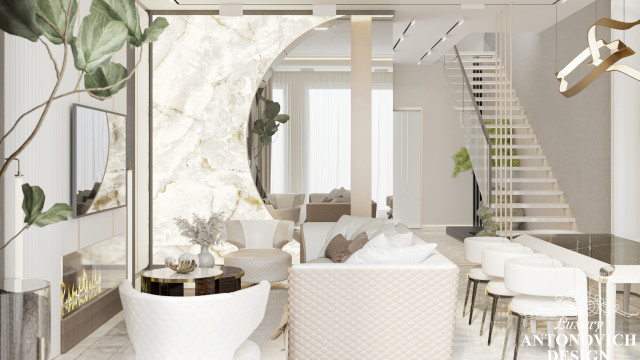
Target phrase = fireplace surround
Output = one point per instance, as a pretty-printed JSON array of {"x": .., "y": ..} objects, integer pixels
[{"x": 89, "y": 290}]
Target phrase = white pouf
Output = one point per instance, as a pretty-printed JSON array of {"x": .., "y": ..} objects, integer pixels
[{"x": 260, "y": 264}]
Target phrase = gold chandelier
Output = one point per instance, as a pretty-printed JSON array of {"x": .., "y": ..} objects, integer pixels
[{"x": 619, "y": 52}]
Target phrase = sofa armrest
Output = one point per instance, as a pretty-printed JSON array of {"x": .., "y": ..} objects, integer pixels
[
  {"x": 291, "y": 214},
  {"x": 422, "y": 299},
  {"x": 313, "y": 237}
]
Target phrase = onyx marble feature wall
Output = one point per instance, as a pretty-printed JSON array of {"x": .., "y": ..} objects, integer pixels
[{"x": 206, "y": 70}]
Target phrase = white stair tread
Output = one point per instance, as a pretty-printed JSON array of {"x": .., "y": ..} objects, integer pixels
[
  {"x": 525, "y": 180},
  {"x": 485, "y": 108},
  {"x": 478, "y": 60},
  {"x": 517, "y": 146},
  {"x": 491, "y": 99},
  {"x": 528, "y": 192},
  {"x": 524, "y": 168},
  {"x": 531, "y": 205},
  {"x": 476, "y": 67},
  {"x": 513, "y": 136},
  {"x": 474, "y": 53},
  {"x": 496, "y": 117},
  {"x": 483, "y": 83},
  {"x": 530, "y": 219},
  {"x": 523, "y": 157},
  {"x": 513, "y": 126}
]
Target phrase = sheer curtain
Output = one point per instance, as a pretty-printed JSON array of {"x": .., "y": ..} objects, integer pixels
[{"x": 312, "y": 152}]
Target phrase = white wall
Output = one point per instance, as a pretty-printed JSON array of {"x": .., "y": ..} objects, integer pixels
[
  {"x": 29, "y": 79},
  {"x": 625, "y": 132},
  {"x": 445, "y": 200}
]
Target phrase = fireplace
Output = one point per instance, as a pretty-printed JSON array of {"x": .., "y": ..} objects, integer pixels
[{"x": 89, "y": 290}]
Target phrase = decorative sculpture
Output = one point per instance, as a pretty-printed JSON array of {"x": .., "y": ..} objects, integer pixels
[
  {"x": 185, "y": 264},
  {"x": 619, "y": 52}
]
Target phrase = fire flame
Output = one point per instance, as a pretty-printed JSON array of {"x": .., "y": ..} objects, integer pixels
[{"x": 87, "y": 289}]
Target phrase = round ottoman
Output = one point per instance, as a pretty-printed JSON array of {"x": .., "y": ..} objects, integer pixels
[{"x": 260, "y": 264}]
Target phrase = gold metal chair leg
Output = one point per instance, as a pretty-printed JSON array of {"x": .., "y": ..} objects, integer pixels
[
  {"x": 506, "y": 335},
  {"x": 466, "y": 297},
  {"x": 484, "y": 314}
]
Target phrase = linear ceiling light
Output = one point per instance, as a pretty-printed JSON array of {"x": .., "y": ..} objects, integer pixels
[
  {"x": 411, "y": 23},
  {"x": 442, "y": 39}
]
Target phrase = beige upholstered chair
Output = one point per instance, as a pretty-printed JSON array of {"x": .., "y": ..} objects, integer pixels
[
  {"x": 285, "y": 206},
  {"x": 320, "y": 211},
  {"x": 260, "y": 243}
]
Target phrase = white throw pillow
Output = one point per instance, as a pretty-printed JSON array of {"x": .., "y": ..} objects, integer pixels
[{"x": 396, "y": 255}]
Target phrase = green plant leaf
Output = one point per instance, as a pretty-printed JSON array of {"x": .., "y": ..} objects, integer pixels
[
  {"x": 153, "y": 32},
  {"x": 106, "y": 75},
  {"x": 58, "y": 212},
  {"x": 265, "y": 139},
  {"x": 18, "y": 17},
  {"x": 32, "y": 203},
  {"x": 272, "y": 109},
  {"x": 282, "y": 118},
  {"x": 123, "y": 11},
  {"x": 52, "y": 11},
  {"x": 98, "y": 39}
]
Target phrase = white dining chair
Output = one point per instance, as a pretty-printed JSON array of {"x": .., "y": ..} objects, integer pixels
[
  {"x": 473, "y": 253},
  {"x": 493, "y": 259},
  {"x": 550, "y": 292}
]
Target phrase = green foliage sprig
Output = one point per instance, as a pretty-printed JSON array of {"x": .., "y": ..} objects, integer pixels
[
  {"x": 268, "y": 125},
  {"x": 32, "y": 205}
]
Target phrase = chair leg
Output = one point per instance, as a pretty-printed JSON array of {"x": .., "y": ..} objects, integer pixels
[
  {"x": 561, "y": 346},
  {"x": 466, "y": 297},
  {"x": 506, "y": 335},
  {"x": 484, "y": 314},
  {"x": 473, "y": 300},
  {"x": 493, "y": 317},
  {"x": 518, "y": 332}
]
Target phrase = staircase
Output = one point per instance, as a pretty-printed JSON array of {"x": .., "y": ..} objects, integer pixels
[{"x": 532, "y": 184}]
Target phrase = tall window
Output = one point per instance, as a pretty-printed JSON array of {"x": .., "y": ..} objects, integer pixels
[{"x": 312, "y": 152}]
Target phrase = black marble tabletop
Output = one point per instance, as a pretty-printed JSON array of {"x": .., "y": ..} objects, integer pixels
[{"x": 607, "y": 248}]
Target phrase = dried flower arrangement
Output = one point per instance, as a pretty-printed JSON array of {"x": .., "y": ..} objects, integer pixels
[{"x": 203, "y": 232}]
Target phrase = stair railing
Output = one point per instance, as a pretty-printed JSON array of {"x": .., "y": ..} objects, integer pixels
[{"x": 476, "y": 136}]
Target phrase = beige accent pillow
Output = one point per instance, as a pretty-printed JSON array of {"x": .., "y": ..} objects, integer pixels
[
  {"x": 356, "y": 244},
  {"x": 337, "y": 249}
]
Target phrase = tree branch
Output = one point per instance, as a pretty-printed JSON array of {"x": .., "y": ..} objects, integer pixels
[
  {"x": 55, "y": 64},
  {"x": 14, "y": 237},
  {"x": 75, "y": 91},
  {"x": 51, "y": 24}
]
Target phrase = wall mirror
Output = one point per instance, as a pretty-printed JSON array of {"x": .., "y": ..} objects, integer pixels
[
  {"x": 310, "y": 154},
  {"x": 98, "y": 160}
]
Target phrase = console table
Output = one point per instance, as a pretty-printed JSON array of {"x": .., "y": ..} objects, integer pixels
[{"x": 607, "y": 259}]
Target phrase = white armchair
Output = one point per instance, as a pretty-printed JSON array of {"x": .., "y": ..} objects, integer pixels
[
  {"x": 199, "y": 327},
  {"x": 285, "y": 206},
  {"x": 260, "y": 242}
]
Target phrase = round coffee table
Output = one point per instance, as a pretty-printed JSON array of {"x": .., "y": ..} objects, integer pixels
[
  {"x": 167, "y": 282},
  {"x": 219, "y": 279}
]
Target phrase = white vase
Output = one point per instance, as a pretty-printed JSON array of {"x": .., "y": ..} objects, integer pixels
[{"x": 205, "y": 258}]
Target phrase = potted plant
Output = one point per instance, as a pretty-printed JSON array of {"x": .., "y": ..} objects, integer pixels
[{"x": 203, "y": 232}]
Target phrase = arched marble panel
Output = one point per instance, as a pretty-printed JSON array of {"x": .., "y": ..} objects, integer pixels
[{"x": 206, "y": 70}]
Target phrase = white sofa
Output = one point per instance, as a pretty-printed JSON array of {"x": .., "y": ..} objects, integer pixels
[
  {"x": 369, "y": 311},
  {"x": 196, "y": 327}
]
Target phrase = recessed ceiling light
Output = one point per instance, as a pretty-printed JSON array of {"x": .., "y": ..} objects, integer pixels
[
  {"x": 444, "y": 38},
  {"x": 413, "y": 21},
  {"x": 428, "y": 52},
  {"x": 321, "y": 28},
  {"x": 419, "y": 62},
  {"x": 462, "y": 21},
  {"x": 402, "y": 38}
]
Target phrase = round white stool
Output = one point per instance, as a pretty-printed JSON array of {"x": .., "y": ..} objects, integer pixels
[{"x": 260, "y": 264}]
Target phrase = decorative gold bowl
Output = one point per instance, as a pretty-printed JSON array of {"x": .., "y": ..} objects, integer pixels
[{"x": 183, "y": 267}]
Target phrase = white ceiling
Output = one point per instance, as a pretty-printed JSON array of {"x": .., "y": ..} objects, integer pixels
[{"x": 433, "y": 19}]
